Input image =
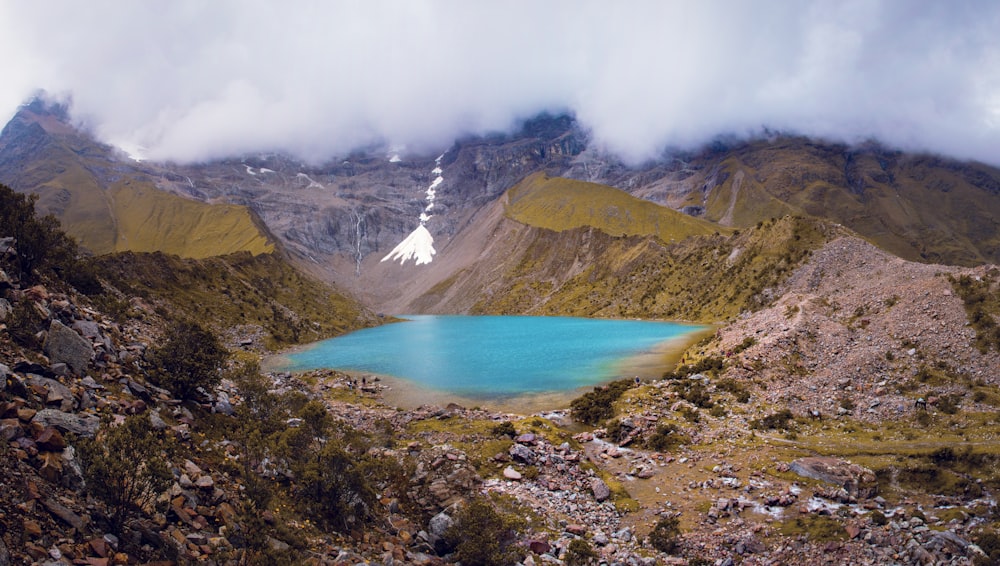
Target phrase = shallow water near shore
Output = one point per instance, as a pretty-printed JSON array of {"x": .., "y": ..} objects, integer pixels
[{"x": 515, "y": 363}]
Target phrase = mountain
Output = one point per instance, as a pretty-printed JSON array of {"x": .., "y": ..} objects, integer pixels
[
  {"x": 476, "y": 209},
  {"x": 919, "y": 207},
  {"x": 106, "y": 201}
]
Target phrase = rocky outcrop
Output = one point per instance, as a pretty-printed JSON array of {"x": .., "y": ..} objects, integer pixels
[
  {"x": 858, "y": 481},
  {"x": 64, "y": 345}
]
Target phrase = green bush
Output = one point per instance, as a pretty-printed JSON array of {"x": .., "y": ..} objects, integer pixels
[
  {"x": 580, "y": 553},
  {"x": 665, "y": 438},
  {"x": 505, "y": 428},
  {"x": 40, "y": 242},
  {"x": 779, "y": 420},
  {"x": 190, "y": 357},
  {"x": 598, "y": 405},
  {"x": 482, "y": 535},
  {"x": 125, "y": 468},
  {"x": 665, "y": 535}
]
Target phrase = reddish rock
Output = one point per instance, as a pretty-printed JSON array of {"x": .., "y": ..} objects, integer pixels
[
  {"x": 539, "y": 546},
  {"x": 32, "y": 529},
  {"x": 26, "y": 414},
  {"x": 50, "y": 439},
  {"x": 99, "y": 546},
  {"x": 578, "y": 530}
]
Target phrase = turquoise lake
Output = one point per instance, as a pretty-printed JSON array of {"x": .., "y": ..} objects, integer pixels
[{"x": 496, "y": 357}]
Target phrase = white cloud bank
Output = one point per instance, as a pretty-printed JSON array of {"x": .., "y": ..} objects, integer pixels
[{"x": 192, "y": 80}]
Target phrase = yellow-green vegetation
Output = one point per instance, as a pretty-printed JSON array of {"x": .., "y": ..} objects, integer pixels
[
  {"x": 562, "y": 204},
  {"x": 586, "y": 272},
  {"x": 981, "y": 297},
  {"x": 108, "y": 206},
  {"x": 818, "y": 528},
  {"x": 147, "y": 219},
  {"x": 239, "y": 289}
]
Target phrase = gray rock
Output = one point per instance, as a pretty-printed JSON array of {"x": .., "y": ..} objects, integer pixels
[
  {"x": 858, "y": 481},
  {"x": 62, "y": 344},
  {"x": 91, "y": 331},
  {"x": 80, "y": 425},
  {"x": 522, "y": 453},
  {"x": 4, "y": 374},
  {"x": 600, "y": 489},
  {"x": 439, "y": 524},
  {"x": 156, "y": 421},
  {"x": 222, "y": 404},
  {"x": 5, "y": 309},
  {"x": 58, "y": 393},
  {"x": 72, "y": 476},
  {"x": 65, "y": 514}
]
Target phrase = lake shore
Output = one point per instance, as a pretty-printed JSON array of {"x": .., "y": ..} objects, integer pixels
[{"x": 408, "y": 394}]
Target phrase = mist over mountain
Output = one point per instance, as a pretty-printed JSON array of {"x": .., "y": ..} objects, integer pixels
[{"x": 190, "y": 82}]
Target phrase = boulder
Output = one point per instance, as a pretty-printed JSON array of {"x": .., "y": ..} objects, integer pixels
[
  {"x": 62, "y": 344},
  {"x": 511, "y": 473},
  {"x": 857, "y": 480},
  {"x": 600, "y": 489},
  {"x": 523, "y": 454},
  {"x": 80, "y": 425},
  {"x": 57, "y": 393},
  {"x": 5, "y": 309},
  {"x": 4, "y": 374},
  {"x": 439, "y": 524}
]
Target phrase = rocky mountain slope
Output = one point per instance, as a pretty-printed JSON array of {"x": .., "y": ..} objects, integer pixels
[
  {"x": 106, "y": 201},
  {"x": 738, "y": 455}
]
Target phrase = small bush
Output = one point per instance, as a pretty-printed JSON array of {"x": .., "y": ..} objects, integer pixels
[
  {"x": 480, "y": 534},
  {"x": 580, "y": 553},
  {"x": 665, "y": 535},
  {"x": 125, "y": 468},
  {"x": 190, "y": 357},
  {"x": 665, "y": 438},
  {"x": 505, "y": 428},
  {"x": 598, "y": 405},
  {"x": 778, "y": 420}
]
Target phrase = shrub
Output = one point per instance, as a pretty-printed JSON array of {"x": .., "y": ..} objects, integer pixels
[
  {"x": 598, "y": 405},
  {"x": 40, "y": 242},
  {"x": 125, "y": 468},
  {"x": 505, "y": 428},
  {"x": 780, "y": 419},
  {"x": 664, "y": 536},
  {"x": 580, "y": 553},
  {"x": 665, "y": 438},
  {"x": 334, "y": 490},
  {"x": 189, "y": 358},
  {"x": 484, "y": 536}
]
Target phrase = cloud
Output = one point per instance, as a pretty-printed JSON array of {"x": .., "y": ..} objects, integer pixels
[{"x": 190, "y": 80}]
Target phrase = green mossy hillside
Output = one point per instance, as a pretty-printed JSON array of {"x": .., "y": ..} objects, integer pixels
[
  {"x": 560, "y": 204},
  {"x": 232, "y": 291},
  {"x": 586, "y": 272}
]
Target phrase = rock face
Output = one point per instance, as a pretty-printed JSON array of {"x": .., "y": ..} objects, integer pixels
[
  {"x": 63, "y": 345},
  {"x": 78, "y": 424},
  {"x": 857, "y": 480}
]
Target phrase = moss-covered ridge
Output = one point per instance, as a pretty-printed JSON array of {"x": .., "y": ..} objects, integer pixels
[
  {"x": 705, "y": 278},
  {"x": 560, "y": 204},
  {"x": 236, "y": 291}
]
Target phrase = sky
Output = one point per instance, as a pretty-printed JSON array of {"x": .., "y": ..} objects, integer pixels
[{"x": 190, "y": 80}]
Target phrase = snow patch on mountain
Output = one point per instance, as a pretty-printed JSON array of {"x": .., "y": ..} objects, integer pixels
[
  {"x": 309, "y": 179},
  {"x": 419, "y": 245}
]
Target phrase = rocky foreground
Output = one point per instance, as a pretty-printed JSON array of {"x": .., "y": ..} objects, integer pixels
[{"x": 857, "y": 472}]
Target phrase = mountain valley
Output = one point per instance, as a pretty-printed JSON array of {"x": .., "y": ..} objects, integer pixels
[{"x": 844, "y": 410}]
